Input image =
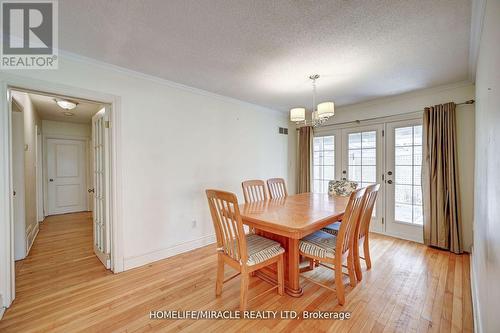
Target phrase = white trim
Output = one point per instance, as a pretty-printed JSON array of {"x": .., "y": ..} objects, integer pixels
[
  {"x": 7, "y": 278},
  {"x": 2, "y": 309},
  {"x": 476, "y": 28},
  {"x": 473, "y": 286},
  {"x": 162, "y": 81},
  {"x": 150, "y": 257}
]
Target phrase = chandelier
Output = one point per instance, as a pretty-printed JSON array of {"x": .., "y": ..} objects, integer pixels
[{"x": 320, "y": 112}]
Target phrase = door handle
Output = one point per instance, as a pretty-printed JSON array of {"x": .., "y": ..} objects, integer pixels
[
  {"x": 389, "y": 181},
  {"x": 91, "y": 190},
  {"x": 51, "y": 180}
]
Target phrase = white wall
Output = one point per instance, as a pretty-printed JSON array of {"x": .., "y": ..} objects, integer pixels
[
  {"x": 416, "y": 101},
  {"x": 177, "y": 142},
  {"x": 486, "y": 252},
  {"x": 31, "y": 121}
]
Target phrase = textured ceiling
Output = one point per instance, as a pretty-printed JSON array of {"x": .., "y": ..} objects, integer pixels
[
  {"x": 47, "y": 109},
  {"x": 262, "y": 51}
]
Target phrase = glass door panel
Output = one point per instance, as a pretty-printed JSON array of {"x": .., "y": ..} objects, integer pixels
[{"x": 404, "y": 191}]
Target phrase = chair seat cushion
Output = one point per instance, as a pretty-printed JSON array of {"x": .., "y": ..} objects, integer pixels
[
  {"x": 319, "y": 244},
  {"x": 332, "y": 229},
  {"x": 261, "y": 249}
]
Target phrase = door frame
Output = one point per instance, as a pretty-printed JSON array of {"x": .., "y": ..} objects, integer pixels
[
  {"x": 86, "y": 142},
  {"x": 7, "y": 270}
]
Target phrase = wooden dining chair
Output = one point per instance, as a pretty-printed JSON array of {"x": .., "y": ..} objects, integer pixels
[
  {"x": 254, "y": 190},
  {"x": 277, "y": 188},
  {"x": 334, "y": 250},
  {"x": 244, "y": 253},
  {"x": 362, "y": 233},
  {"x": 362, "y": 229}
]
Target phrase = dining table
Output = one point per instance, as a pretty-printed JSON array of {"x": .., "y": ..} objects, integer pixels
[{"x": 287, "y": 220}]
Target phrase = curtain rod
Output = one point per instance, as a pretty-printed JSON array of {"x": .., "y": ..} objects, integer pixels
[{"x": 470, "y": 101}]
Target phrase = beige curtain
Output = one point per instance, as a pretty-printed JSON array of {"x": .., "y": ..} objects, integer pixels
[
  {"x": 442, "y": 220},
  {"x": 304, "y": 163}
]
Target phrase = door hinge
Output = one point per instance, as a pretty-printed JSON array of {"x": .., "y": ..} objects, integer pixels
[
  {"x": 383, "y": 132},
  {"x": 383, "y": 177},
  {"x": 382, "y": 220},
  {"x": 107, "y": 124}
]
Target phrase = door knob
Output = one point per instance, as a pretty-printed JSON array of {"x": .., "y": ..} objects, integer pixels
[
  {"x": 389, "y": 181},
  {"x": 91, "y": 190},
  {"x": 51, "y": 180},
  {"x": 389, "y": 173}
]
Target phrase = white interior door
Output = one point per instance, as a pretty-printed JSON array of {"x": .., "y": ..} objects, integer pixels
[
  {"x": 403, "y": 180},
  {"x": 66, "y": 176},
  {"x": 100, "y": 144},
  {"x": 362, "y": 162}
]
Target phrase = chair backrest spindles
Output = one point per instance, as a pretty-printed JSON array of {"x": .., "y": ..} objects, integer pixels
[
  {"x": 345, "y": 237},
  {"x": 277, "y": 188},
  {"x": 366, "y": 213},
  {"x": 227, "y": 224},
  {"x": 254, "y": 190}
]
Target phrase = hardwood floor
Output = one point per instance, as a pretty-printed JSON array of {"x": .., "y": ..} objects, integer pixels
[{"x": 62, "y": 287}]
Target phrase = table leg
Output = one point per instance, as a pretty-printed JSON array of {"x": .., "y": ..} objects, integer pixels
[{"x": 293, "y": 288}]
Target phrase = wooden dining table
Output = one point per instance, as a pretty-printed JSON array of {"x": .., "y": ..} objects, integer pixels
[{"x": 287, "y": 220}]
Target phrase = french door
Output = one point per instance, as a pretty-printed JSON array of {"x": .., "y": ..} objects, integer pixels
[
  {"x": 362, "y": 162},
  {"x": 389, "y": 154},
  {"x": 100, "y": 144},
  {"x": 403, "y": 180}
]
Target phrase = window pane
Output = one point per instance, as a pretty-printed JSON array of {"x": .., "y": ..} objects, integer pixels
[
  {"x": 316, "y": 186},
  {"x": 318, "y": 144},
  {"x": 404, "y": 136},
  {"x": 417, "y": 135},
  {"x": 369, "y": 139},
  {"x": 355, "y": 173},
  {"x": 325, "y": 186},
  {"x": 417, "y": 152},
  {"x": 328, "y": 143},
  {"x": 403, "y": 194},
  {"x": 403, "y": 213},
  {"x": 369, "y": 156},
  {"x": 403, "y": 175},
  {"x": 417, "y": 174},
  {"x": 369, "y": 173},
  {"x": 354, "y": 156},
  {"x": 403, "y": 155},
  {"x": 328, "y": 173},
  {"x": 354, "y": 140},
  {"x": 329, "y": 158},
  {"x": 417, "y": 195}
]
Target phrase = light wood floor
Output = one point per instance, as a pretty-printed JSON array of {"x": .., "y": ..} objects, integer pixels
[{"x": 62, "y": 287}]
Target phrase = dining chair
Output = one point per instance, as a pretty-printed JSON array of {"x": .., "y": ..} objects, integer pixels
[
  {"x": 244, "y": 253},
  {"x": 329, "y": 249},
  {"x": 277, "y": 188},
  {"x": 342, "y": 188},
  {"x": 362, "y": 229},
  {"x": 254, "y": 190},
  {"x": 362, "y": 234}
]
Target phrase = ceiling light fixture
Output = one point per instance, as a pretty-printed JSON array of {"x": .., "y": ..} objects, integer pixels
[
  {"x": 320, "y": 113},
  {"x": 65, "y": 104}
]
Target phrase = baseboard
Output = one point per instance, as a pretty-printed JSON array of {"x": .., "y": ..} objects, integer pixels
[
  {"x": 31, "y": 238},
  {"x": 473, "y": 286},
  {"x": 150, "y": 257},
  {"x": 400, "y": 236}
]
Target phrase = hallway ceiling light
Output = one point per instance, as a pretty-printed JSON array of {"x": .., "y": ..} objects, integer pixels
[
  {"x": 320, "y": 112},
  {"x": 66, "y": 105}
]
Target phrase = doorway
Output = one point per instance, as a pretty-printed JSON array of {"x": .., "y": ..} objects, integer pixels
[
  {"x": 388, "y": 153},
  {"x": 65, "y": 160}
]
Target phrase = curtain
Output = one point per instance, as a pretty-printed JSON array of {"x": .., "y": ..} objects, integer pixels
[
  {"x": 304, "y": 163},
  {"x": 442, "y": 220}
]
